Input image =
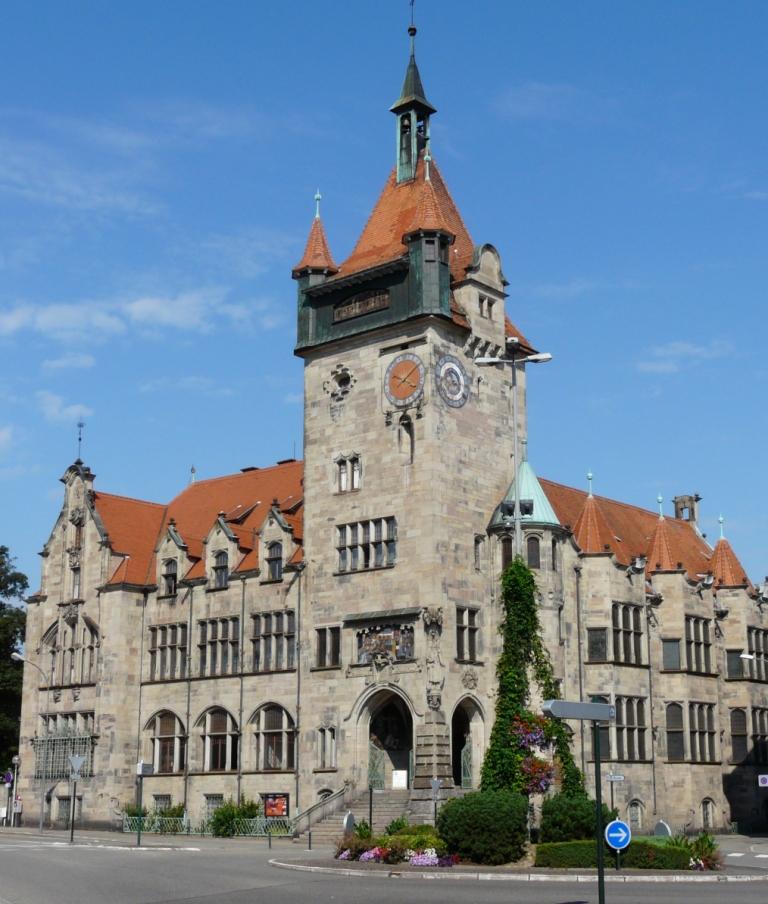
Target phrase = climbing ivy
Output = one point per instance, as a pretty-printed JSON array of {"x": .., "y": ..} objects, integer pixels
[{"x": 510, "y": 762}]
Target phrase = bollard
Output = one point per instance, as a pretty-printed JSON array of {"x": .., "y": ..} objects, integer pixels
[
  {"x": 269, "y": 838},
  {"x": 310, "y": 840}
]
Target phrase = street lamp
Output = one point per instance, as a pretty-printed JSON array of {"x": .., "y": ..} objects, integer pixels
[
  {"x": 17, "y": 657},
  {"x": 537, "y": 358}
]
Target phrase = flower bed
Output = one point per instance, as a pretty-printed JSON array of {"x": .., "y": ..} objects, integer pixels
[{"x": 396, "y": 854}]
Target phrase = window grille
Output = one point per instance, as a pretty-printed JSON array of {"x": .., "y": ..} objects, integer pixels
[{"x": 63, "y": 736}]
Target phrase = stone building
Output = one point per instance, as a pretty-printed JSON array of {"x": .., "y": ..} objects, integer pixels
[{"x": 285, "y": 631}]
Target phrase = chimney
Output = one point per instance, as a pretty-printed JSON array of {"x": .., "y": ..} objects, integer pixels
[{"x": 687, "y": 508}]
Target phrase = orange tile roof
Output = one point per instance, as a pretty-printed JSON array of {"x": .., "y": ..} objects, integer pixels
[
  {"x": 512, "y": 332},
  {"x": 132, "y": 526},
  {"x": 317, "y": 253},
  {"x": 633, "y": 528},
  {"x": 726, "y": 567},
  {"x": 135, "y": 527},
  {"x": 660, "y": 556},
  {"x": 591, "y": 530},
  {"x": 404, "y": 208}
]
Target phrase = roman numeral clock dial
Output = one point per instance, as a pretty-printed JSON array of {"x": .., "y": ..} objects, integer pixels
[
  {"x": 404, "y": 380},
  {"x": 452, "y": 381}
]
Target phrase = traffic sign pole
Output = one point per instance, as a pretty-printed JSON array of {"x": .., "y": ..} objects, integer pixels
[
  {"x": 599, "y": 817},
  {"x": 72, "y": 818}
]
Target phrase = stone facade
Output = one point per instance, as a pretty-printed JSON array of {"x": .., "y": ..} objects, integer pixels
[{"x": 278, "y": 634}]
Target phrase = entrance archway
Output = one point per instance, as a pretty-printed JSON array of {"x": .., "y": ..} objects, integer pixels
[
  {"x": 467, "y": 743},
  {"x": 390, "y": 742}
]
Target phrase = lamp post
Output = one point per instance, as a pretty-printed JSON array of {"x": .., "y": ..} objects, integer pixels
[
  {"x": 17, "y": 657},
  {"x": 513, "y": 361}
]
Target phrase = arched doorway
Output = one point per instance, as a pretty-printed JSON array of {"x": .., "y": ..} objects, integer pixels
[
  {"x": 467, "y": 743},
  {"x": 390, "y": 742}
]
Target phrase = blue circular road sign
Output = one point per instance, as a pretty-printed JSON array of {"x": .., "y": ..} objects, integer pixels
[{"x": 618, "y": 835}]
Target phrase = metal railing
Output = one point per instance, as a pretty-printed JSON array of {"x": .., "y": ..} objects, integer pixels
[
  {"x": 333, "y": 803},
  {"x": 259, "y": 827}
]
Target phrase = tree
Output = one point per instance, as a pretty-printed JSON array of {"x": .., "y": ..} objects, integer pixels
[
  {"x": 511, "y": 761},
  {"x": 12, "y": 620}
]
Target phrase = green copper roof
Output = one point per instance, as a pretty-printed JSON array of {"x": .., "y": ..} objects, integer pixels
[
  {"x": 412, "y": 93},
  {"x": 530, "y": 492}
]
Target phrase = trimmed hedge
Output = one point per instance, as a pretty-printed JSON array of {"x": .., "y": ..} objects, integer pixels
[
  {"x": 639, "y": 855},
  {"x": 570, "y": 818},
  {"x": 486, "y": 826}
]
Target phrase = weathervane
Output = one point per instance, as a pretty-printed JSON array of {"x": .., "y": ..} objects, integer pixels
[{"x": 80, "y": 426}]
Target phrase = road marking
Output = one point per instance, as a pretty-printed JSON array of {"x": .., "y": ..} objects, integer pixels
[
  {"x": 761, "y": 856},
  {"x": 735, "y": 854}
]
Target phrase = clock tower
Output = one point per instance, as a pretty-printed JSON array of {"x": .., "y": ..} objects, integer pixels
[{"x": 407, "y": 450}]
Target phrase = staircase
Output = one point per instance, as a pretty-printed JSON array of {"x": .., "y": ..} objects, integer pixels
[{"x": 387, "y": 805}]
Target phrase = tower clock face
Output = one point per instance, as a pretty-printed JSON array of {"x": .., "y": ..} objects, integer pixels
[
  {"x": 404, "y": 380},
  {"x": 452, "y": 381}
]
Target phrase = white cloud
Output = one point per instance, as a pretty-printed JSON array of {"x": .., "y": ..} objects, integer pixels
[
  {"x": 197, "y": 311},
  {"x": 191, "y": 384},
  {"x": 71, "y": 361},
  {"x": 672, "y": 357},
  {"x": 54, "y": 409}
]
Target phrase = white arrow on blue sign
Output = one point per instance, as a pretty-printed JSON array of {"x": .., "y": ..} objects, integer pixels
[{"x": 618, "y": 835}]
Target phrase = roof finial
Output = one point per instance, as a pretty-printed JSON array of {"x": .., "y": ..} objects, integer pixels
[
  {"x": 80, "y": 426},
  {"x": 660, "y": 500},
  {"x": 524, "y": 450},
  {"x": 721, "y": 522},
  {"x": 590, "y": 475},
  {"x": 192, "y": 474},
  {"x": 427, "y": 161},
  {"x": 412, "y": 30},
  {"x": 318, "y": 199}
]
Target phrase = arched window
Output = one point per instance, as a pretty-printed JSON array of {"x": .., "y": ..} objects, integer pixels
[
  {"x": 274, "y": 739},
  {"x": 506, "y": 552},
  {"x": 406, "y": 439},
  {"x": 326, "y": 745},
  {"x": 89, "y": 636},
  {"x": 220, "y": 570},
  {"x": 675, "y": 733},
  {"x": 220, "y": 741},
  {"x": 738, "y": 735},
  {"x": 707, "y": 813},
  {"x": 275, "y": 561},
  {"x": 170, "y": 575},
  {"x": 555, "y": 563},
  {"x": 533, "y": 548},
  {"x": 51, "y": 640},
  {"x": 635, "y": 814},
  {"x": 169, "y": 743}
]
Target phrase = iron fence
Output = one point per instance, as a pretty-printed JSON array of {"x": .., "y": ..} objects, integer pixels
[{"x": 259, "y": 827}]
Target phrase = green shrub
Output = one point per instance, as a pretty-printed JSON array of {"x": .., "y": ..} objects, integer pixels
[
  {"x": 421, "y": 829},
  {"x": 363, "y": 829},
  {"x": 397, "y": 825},
  {"x": 639, "y": 855},
  {"x": 486, "y": 826},
  {"x": 175, "y": 811},
  {"x": 354, "y": 844},
  {"x": 570, "y": 818},
  {"x": 133, "y": 810},
  {"x": 223, "y": 819},
  {"x": 249, "y": 809}
]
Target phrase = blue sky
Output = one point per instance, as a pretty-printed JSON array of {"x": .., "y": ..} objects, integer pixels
[{"x": 157, "y": 168}]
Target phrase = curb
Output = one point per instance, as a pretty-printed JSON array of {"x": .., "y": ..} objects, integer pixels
[{"x": 515, "y": 877}]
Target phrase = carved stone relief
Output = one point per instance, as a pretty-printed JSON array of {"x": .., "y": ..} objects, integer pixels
[{"x": 433, "y": 625}]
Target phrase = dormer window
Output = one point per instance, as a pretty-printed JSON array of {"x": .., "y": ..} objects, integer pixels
[
  {"x": 275, "y": 561},
  {"x": 170, "y": 576},
  {"x": 221, "y": 570}
]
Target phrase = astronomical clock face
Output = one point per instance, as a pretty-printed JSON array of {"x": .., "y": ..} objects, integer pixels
[
  {"x": 452, "y": 381},
  {"x": 404, "y": 380}
]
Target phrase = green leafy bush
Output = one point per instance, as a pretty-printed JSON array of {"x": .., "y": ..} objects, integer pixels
[
  {"x": 702, "y": 850},
  {"x": 397, "y": 825},
  {"x": 249, "y": 809},
  {"x": 570, "y": 818},
  {"x": 175, "y": 811},
  {"x": 225, "y": 817},
  {"x": 354, "y": 844},
  {"x": 133, "y": 810},
  {"x": 639, "y": 855},
  {"x": 485, "y": 827},
  {"x": 363, "y": 829}
]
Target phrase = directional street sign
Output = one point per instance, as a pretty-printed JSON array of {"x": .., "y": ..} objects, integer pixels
[
  {"x": 575, "y": 709},
  {"x": 618, "y": 835},
  {"x": 8, "y": 778},
  {"x": 614, "y": 777},
  {"x": 762, "y": 781}
]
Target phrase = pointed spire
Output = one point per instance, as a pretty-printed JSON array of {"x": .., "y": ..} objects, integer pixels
[
  {"x": 660, "y": 556},
  {"x": 725, "y": 565},
  {"x": 591, "y": 531},
  {"x": 412, "y": 92},
  {"x": 317, "y": 253}
]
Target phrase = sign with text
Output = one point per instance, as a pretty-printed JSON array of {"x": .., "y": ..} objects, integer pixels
[{"x": 364, "y": 303}]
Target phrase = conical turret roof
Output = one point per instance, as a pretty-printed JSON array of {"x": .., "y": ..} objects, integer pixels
[
  {"x": 660, "y": 557},
  {"x": 317, "y": 254},
  {"x": 412, "y": 92},
  {"x": 726, "y": 567},
  {"x": 591, "y": 531},
  {"x": 531, "y": 492}
]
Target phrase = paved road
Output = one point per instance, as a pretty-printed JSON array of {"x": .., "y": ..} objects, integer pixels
[{"x": 102, "y": 869}]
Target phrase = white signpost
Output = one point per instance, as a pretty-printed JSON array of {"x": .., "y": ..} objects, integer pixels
[{"x": 76, "y": 764}]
